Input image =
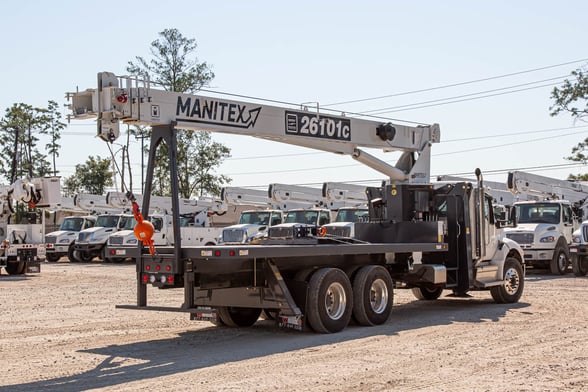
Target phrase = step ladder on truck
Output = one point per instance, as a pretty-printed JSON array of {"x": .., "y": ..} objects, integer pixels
[{"x": 321, "y": 283}]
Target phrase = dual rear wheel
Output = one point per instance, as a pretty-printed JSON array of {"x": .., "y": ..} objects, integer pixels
[{"x": 333, "y": 300}]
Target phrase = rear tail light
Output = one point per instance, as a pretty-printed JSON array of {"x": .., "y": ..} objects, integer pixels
[{"x": 145, "y": 278}]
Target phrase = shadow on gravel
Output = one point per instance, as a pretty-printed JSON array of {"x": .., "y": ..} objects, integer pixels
[{"x": 192, "y": 350}]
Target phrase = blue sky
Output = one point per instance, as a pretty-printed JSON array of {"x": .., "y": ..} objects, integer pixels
[{"x": 329, "y": 52}]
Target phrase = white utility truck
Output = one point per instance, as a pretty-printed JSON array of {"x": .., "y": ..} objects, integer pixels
[
  {"x": 23, "y": 247},
  {"x": 60, "y": 243},
  {"x": 321, "y": 283},
  {"x": 350, "y": 200},
  {"x": 195, "y": 226},
  {"x": 253, "y": 224},
  {"x": 544, "y": 227}
]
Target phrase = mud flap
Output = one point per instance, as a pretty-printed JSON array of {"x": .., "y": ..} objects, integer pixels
[{"x": 33, "y": 267}]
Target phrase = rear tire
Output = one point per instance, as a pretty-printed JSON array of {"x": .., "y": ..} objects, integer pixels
[
  {"x": 15, "y": 267},
  {"x": 71, "y": 254},
  {"x": 330, "y": 300},
  {"x": 372, "y": 295},
  {"x": 514, "y": 282},
  {"x": 580, "y": 265},
  {"x": 427, "y": 293},
  {"x": 53, "y": 257},
  {"x": 559, "y": 263},
  {"x": 83, "y": 256},
  {"x": 238, "y": 317}
]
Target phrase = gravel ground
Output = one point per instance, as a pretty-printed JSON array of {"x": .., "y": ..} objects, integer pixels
[{"x": 61, "y": 332}]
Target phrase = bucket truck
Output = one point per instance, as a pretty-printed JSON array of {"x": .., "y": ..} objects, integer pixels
[
  {"x": 351, "y": 200},
  {"x": 253, "y": 224},
  {"x": 545, "y": 226},
  {"x": 321, "y": 283},
  {"x": 113, "y": 214},
  {"x": 60, "y": 243},
  {"x": 23, "y": 248},
  {"x": 194, "y": 225},
  {"x": 305, "y": 210}
]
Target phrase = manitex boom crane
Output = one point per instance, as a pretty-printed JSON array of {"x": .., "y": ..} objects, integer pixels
[{"x": 315, "y": 282}]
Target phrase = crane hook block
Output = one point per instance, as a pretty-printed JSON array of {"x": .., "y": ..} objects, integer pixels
[{"x": 143, "y": 229}]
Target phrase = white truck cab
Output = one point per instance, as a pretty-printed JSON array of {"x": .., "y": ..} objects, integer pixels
[
  {"x": 344, "y": 223},
  {"x": 544, "y": 230},
  {"x": 60, "y": 243},
  {"x": 252, "y": 225}
]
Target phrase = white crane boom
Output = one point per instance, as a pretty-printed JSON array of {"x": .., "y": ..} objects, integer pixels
[
  {"x": 295, "y": 196},
  {"x": 238, "y": 196},
  {"x": 340, "y": 194},
  {"x": 545, "y": 187},
  {"x": 132, "y": 101}
]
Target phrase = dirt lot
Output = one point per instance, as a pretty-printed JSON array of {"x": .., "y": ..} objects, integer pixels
[{"x": 61, "y": 331}]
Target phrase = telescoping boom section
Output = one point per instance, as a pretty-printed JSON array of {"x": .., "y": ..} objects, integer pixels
[
  {"x": 418, "y": 236},
  {"x": 126, "y": 100}
]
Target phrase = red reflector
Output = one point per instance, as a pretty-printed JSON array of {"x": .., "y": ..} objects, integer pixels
[
  {"x": 168, "y": 267},
  {"x": 157, "y": 267},
  {"x": 148, "y": 267},
  {"x": 170, "y": 279},
  {"x": 231, "y": 253},
  {"x": 145, "y": 278},
  {"x": 112, "y": 252},
  {"x": 217, "y": 253}
]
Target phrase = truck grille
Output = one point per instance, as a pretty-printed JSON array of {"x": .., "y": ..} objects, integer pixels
[
  {"x": 339, "y": 231},
  {"x": 115, "y": 240},
  {"x": 50, "y": 239},
  {"x": 521, "y": 238},
  {"x": 296, "y": 231},
  {"x": 83, "y": 237},
  {"x": 233, "y": 235}
]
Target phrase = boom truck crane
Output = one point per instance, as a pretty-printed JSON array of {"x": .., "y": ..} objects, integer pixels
[
  {"x": 545, "y": 226},
  {"x": 319, "y": 284},
  {"x": 23, "y": 247}
]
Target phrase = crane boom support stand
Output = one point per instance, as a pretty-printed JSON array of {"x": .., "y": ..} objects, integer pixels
[{"x": 166, "y": 134}]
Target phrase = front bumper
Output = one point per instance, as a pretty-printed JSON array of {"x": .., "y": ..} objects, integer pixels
[{"x": 88, "y": 247}]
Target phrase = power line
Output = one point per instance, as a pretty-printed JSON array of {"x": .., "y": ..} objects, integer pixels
[
  {"x": 454, "y": 84},
  {"x": 486, "y": 172},
  {"x": 467, "y": 99},
  {"x": 440, "y": 100},
  {"x": 493, "y": 135},
  {"x": 315, "y": 168},
  {"x": 508, "y": 144}
]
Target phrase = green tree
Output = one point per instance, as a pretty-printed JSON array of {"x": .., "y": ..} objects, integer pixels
[
  {"x": 92, "y": 177},
  {"x": 53, "y": 128},
  {"x": 174, "y": 66},
  {"x": 572, "y": 98},
  {"x": 20, "y": 156}
]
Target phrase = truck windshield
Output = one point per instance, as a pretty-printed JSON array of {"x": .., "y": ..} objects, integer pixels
[
  {"x": 308, "y": 217},
  {"x": 107, "y": 221},
  {"x": 72, "y": 224},
  {"x": 127, "y": 223},
  {"x": 255, "y": 218},
  {"x": 538, "y": 213},
  {"x": 355, "y": 215}
]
